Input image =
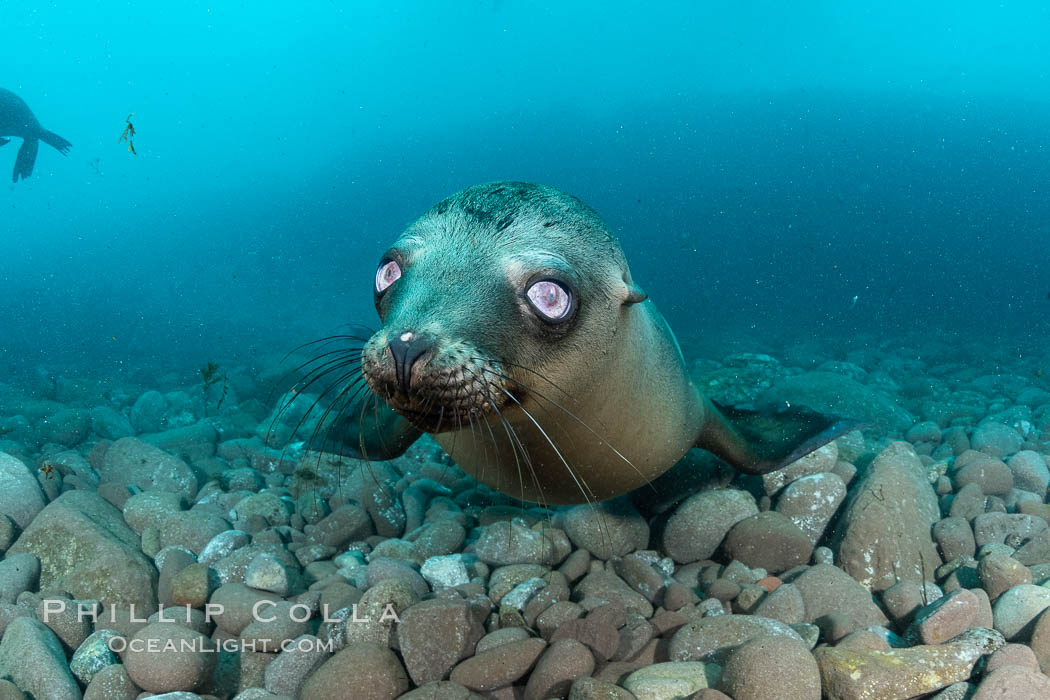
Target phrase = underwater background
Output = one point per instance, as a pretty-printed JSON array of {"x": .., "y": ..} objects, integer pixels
[
  {"x": 837, "y": 205},
  {"x": 762, "y": 164}
]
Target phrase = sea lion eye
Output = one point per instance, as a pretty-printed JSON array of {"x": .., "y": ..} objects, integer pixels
[
  {"x": 550, "y": 300},
  {"x": 388, "y": 273}
]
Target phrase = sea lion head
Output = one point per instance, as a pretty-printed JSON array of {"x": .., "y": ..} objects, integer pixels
[{"x": 498, "y": 294}]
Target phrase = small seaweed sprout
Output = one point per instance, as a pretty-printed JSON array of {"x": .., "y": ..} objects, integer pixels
[
  {"x": 210, "y": 376},
  {"x": 128, "y": 135}
]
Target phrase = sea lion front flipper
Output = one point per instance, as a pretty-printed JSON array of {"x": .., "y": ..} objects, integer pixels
[
  {"x": 375, "y": 433},
  {"x": 25, "y": 159},
  {"x": 761, "y": 440}
]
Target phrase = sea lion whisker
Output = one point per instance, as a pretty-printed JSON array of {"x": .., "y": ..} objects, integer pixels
[
  {"x": 332, "y": 366},
  {"x": 530, "y": 370},
  {"x": 344, "y": 353},
  {"x": 584, "y": 491},
  {"x": 516, "y": 445},
  {"x": 547, "y": 411},
  {"x": 329, "y": 339},
  {"x": 572, "y": 415},
  {"x": 306, "y": 414},
  {"x": 306, "y": 382},
  {"x": 357, "y": 385}
]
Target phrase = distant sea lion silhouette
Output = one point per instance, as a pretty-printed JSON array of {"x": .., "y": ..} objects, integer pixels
[
  {"x": 16, "y": 119},
  {"x": 513, "y": 332}
]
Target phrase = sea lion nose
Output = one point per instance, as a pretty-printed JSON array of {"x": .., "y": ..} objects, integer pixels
[{"x": 406, "y": 349}]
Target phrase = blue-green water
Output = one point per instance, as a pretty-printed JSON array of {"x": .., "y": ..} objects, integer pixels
[{"x": 763, "y": 164}]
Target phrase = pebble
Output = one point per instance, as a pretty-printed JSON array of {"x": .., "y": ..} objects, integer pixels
[
  {"x": 811, "y": 502},
  {"x": 441, "y": 690},
  {"x": 151, "y": 508},
  {"x": 505, "y": 578},
  {"x": 446, "y": 571},
  {"x": 147, "y": 413},
  {"x": 1016, "y": 610},
  {"x": 1012, "y": 655},
  {"x": 371, "y": 671},
  {"x": 769, "y": 540},
  {"x": 192, "y": 529},
  {"x": 610, "y": 588},
  {"x": 856, "y": 674},
  {"x": 499, "y": 666},
  {"x": 672, "y": 679},
  {"x": 996, "y": 439},
  {"x": 267, "y": 573},
  {"x": 827, "y": 590},
  {"x": 999, "y": 573},
  {"x": 816, "y": 462},
  {"x": 589, "y": 688},
  {"x": 287, "y": 673},
  {"x": 968, "y": 502},
  {"x": 509, "y": 542},
  {"x": 771, "y": 669},
  {"x": 1013, "y": 683},
  {"x": 222, "y": 545},
  {"x": 93, "y": 655},
  {"x": 697, "y": 527},
  {"x": 602, "y": 638},
  {"x": 519, "y": 596},
  {"x": 902, "y": 600},
  {"x": 1040, "y": 642},
  {"x": 64, "y": 618},
  {"x": 444, "y": 537},
  {"x": 954, "y": 537},
  {"x": 1031, "y": 472},
  {"x": 112, "y": 683},
  {"x": 784, "y": 604},
  {"x": 712, "y": 639},
  {"x": 379, "y": 609},
  {"x": 164, "y": 657},
  {"x": 1000, "y": 527},
  {"x": 237, "y": 602},
  {"x": 637, "y": 571},
  {"x": 563, "y": 662},
  {"x": 456, "y": 623},
  {"x": 607, "y": 529},
  {"x": 193, "y": 585},
  {"x": 947, "y": 617},
  {"x": 556, "y": 616},
  {"x": 991, "y": 474},
  {"x": 274, "y": 625}
]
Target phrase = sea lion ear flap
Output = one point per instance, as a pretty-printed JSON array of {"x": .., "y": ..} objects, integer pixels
[{"x": 635, "y": 294}]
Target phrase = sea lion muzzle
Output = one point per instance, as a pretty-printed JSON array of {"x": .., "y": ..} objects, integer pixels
[{"x": 405, "y": 350}]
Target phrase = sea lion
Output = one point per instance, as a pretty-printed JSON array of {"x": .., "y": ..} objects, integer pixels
[
  {"x": 16, "y": 119},
  {"x": 514, "y": 333}
]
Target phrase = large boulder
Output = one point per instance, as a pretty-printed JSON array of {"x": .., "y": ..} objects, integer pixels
[
  {"x": 32, "y": 656},
  {"x": 20, "y": 495},
  {"x": 884, "y": 535},
  {"x": 85, "y": 548},
  {"x": 838, "y": 394},
  {"x": 132, "y": 462}
]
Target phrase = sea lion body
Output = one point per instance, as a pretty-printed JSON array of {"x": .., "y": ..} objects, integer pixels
[
  {"x": 514, "y": 333},
  {"x": 16, "y": 119},
  {"x": 632, "y": 425}
]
